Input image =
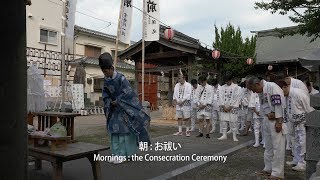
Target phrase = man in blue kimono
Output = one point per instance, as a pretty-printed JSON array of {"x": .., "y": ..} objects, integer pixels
[{"x": 126, "y": 119}]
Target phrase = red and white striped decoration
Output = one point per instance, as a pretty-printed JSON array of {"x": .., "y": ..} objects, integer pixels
[
  {"x": 270, "y": 67},
  {"x": 169, "y": 33},
  {"x": 215, "y": 54},
  {"x": 249, "y": 61}
]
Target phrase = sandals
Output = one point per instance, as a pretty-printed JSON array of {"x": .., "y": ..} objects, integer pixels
[{"x": 266, "y": 173}]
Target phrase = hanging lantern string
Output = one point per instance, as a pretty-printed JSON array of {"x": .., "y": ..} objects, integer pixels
[{"x": 236, "y": 56}]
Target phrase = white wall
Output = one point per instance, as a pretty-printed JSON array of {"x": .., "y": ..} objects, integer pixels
[
  {"x": 106, "y": 45},
  {"x": 46, "y": 14},
  {"x": 92, "y": 71}
]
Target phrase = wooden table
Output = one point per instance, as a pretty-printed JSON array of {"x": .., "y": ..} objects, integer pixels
[
  {"x": 73, "y": 151},
  {"x": 53, "y": 142},
  {"x": 47, "y": 119}
]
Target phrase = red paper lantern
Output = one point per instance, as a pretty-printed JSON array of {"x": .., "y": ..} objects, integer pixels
[
  {"x": 215, "y": 54},
  {"x": 270, "y": 67},
  {"x": 249, "y": 61},
  {"x": 169, "y": 33}
]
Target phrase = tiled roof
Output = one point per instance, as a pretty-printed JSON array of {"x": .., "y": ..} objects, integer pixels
[
  {"x": 179, "y": 38},
  {"x": 96, "y": 33},
  {"x": 95, "y": 61},
  {"x": 272, "y": 49}
]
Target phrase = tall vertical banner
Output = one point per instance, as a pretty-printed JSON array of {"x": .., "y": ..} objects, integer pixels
[
  {"x": 70, "y": 21},
  {"x": 125, "y": 21},
  {"x": 151, "y": 24}
]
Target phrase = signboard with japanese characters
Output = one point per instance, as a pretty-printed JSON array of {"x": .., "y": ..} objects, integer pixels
[
  {"x": 125, "y": 21},
  {"x": 151, "y": 20},
  {"x": 47, "y": 83},
  {"x": 78, "y": 96},
  {"x": 52, "y": 91},
  {"x": 70, "y": 21}
]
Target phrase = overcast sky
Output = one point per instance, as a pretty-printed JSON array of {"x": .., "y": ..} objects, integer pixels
[{"x": 195, "y": 18}]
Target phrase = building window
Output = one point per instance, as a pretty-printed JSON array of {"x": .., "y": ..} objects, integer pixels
[
  {"x": 47, "y": 36},
  {"x": 98, "y": 85},
  {"x": 92, "y": 51}
]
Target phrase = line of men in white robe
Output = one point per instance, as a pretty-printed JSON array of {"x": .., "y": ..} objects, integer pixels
[
  {"x": 278, "y": 114},
  {"x": 285, "y": 105},
  {"x": 233, "y": 105}
]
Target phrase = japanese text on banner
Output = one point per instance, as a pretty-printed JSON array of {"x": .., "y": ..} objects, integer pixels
[
  {"x": 151, "y": 24},
  {"x": 125, "y": 21}
]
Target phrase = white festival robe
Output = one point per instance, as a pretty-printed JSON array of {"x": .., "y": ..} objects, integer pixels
[
  {"x": 298, "y": 104},
  {"x": 215, "y": 98},
  {"x": 230, "y": 96},
  {"x": 257, "y": 119},
  {"x": 296, "y": 83},
  {"x": 204, "y": 97},
  {"x": 249, "y": 103},
  {"x": 274, "y": 155},
  {"x": 193, "y": 114},
  {"x": 182, "y": 92},
  {"x": 256, "y": 103},
  {"x": 193, "y": 97}
]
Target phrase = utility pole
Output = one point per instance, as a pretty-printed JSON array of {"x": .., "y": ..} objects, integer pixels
[
  {"x": 117, "y": 40},
  {"x": 143, "y": 53},
  {"x": 45, "y": 61},
  {"x": 63, "y": 62}
]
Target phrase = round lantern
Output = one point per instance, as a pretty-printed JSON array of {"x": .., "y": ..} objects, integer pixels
[
  {"x": 270, "y": 67},
  {"x": 249, "y": 61},
  {"x": 169, "y": 33},
  {"x": 215, "y": 54}
]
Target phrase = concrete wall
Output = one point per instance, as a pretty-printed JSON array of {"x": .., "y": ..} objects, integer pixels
[
  {"x": 105, "y": 44},
  {"x": 47, "y": 15},
  {"x": 93, "y": 71},
  {"x": 43, "y": 14}
]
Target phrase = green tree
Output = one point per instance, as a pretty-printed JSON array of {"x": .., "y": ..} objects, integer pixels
[
  {"x": 235, "y": 50},
  {"x": 306, "y": 13}
]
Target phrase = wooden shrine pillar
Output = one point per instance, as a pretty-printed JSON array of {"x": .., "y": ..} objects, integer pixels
[
  {"x": 13, "y": 93},
  {"x": 136, "y": 77},
  {"x": 190, "y": 62},
  {"x": 171, "y": 87}
]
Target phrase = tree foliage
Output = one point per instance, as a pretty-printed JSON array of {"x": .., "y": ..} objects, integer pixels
[
  {"x": 235, "y": 49},
  {"x": 306, "y": 13}
]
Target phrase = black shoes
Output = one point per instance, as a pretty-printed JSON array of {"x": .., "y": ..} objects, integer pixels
[{"x": 201, "y": 135}]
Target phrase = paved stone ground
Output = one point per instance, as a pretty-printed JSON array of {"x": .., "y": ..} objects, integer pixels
[
  {"x": 98, "y": 134},
  {"x": 84, "y": 125},
  {"x": 81, "y": 170},
  {"x": 240, "y": 165}
]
